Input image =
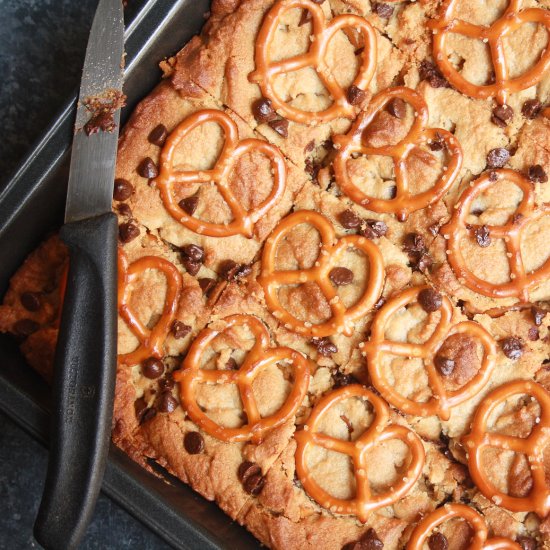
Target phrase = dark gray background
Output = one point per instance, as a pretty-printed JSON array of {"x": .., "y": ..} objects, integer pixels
[{"x": 42, "y": 45}]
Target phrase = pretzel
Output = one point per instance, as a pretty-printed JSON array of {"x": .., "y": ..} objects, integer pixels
[
  {"x": 151, "y": 341},
  {"x": 243, "y": 220},
  {"x": 331, "y": 248},
  {"x": 322, "y": 34},
  {"x": 478, "y": 541},
  {"x": 378, "y": 432},
  {"x": 441, "y": 401},
  {"x": 494, "y": 36},
  {"x": 520, "y": 281},
  {"x": 532, "y": 447},
  {"x": 404, "y": 202},
  {"x": 260, "y": 357}
]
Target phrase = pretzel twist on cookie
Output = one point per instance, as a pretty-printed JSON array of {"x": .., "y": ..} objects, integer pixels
[
  {"x": 511, "y": 20},
  {"x": 151, "y": 341},
  {"x": 479, "y": 541},
  {"x": 341, "y": 320},
  {"x": 520, "y": 281},
  {"x": 243, "y": 220},
  {"x": 442, "y": 401},
  {"x": 404, "y": 202},
  {"x": 365, "y": 501},
  {"x": 261, "y": 356},
  {"x": 322, "y": 34}
]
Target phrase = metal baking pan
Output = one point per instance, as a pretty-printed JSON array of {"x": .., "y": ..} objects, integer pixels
[{"x": 31, "y": 206}]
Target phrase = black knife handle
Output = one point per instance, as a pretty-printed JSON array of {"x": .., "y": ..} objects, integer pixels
[{"x": 84, "y": 382}]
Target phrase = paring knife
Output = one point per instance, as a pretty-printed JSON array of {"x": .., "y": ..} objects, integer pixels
[{"x": 85, "y": 360}]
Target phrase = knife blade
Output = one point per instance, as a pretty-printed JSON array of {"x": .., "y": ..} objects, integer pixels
[{"x": 85, "y": 358}]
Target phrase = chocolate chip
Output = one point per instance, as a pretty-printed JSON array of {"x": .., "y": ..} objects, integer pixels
[
  {"x": 413, "y": 242},
  {"x": 538, "y": 315},
  {"x": 122, "y": 190},
  {"x": 493, "y": 176},
  {"x": 180, "y": 330},
  {"x": 193, "y": 443},
  {"x": 149, "y": 414},
  {"x": 152, "y": 368},
  {"x": 359, "y": 51},
  {"x": 382, "y": 10},
  {"x": 438, "y": 541},
  {"x": 309, "y": 147},
  {"x": 444, "y": 365},
  {"x": 231, "y": 364},
  {"x": 512, "y": 347},
  {"x": 193, "y": 252},
  {"x": 356, "y": 96},
  {"x": 147, "y": 168},
  {"x": 531, "y": 108},
  {"x": 304, "y": 18},
  {"x": 483, "y": 236},
  {"x": 318, "y": 1},
  {"x": 430, "y": 299},
  {"x": 349, "y": 219},
  {"x": 438, "y": 143},
  {"x": 25, "y": 327},
  {"x": 342, "y": 379},
  {"x": 124, "y": 210},
  {"x": 497, "y": 158},
  {"x": 527, "y": 543},
  {"x": 397, "y": 108},
  {"x": 501, "y": 115},
  {"x": 428, "y": 71},
  {"x": 324, "y": 346},
  {"x": 231, "y": 270},
  {"x": 374, "y": 229},
  {"x": 192, "y": 267},
  {"x": 167, "y": 383},
  {"x": 250, "y": 475},
  {"x": 140, "y": 406},
  {"x": 263, "y": 111},
  {"x": 158, "y": 135},
  {"x": 379, "y": 303},
  {"x": 421, "y": 262},
  {"x": 189, "y": 204},
  {"x": 247, "y": 468},
  {"x": 533, "y": 334},
  {"x": 167, "y": 402},
  {"x": 392, "y": 192},
  {"x": 127, "y": 232},
  {"x": 341, "y": 276},
  {"x": 312, "y": 169},
  {"x": 280, "y": 126},
  {"x": 30, "y": 301},
  {"x": 537, "y": 174},
  {"x": 207, "y": 284},
  {"x": 370, "y": 541}
]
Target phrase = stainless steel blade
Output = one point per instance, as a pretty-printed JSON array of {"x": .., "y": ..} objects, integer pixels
[{"x": 93, "y": 156}]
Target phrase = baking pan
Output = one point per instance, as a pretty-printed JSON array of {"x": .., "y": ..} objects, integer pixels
[{"x": 31, "y": 206}]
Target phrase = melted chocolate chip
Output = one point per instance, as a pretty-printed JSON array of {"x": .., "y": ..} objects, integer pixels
[
  {"x": 180, "y": 330},
  {"x": 263, "y": 111},
  {"x": 497, "y": 158},
  {"x": 149, "y": 414},
  {"x": 341, "y": 276},
  {"x": 444, "y": 365},
  {"x": 324, "y": 346},
  {"x": 373, "y": 229},
  {"x": 152, "y": 368},
  {"x": 127, "y": 232},
  {"x": 231, "y": 364},
  {"x": 192, "y": 267},
  {"x": 420, "y": 261},
  {"x": 312, "y": 169},
  {"x": 483, "y": 236},
  {"x": 158, "y": 135},
  {"x": 370, "y": 541},
  {"x": 341, "y": 379},
  {"x": 122, "y": 189},
  {"x": 250, "y": 475},
  {"x": 147, "y": 168},
  {"x": 538, "y": 315},
  {"x": 280, "y": 126},
  {"x": 207, "y": 284},
  {"x": 30, "y": 301},
  {"x": 140, "y": 406},
  {"x": 413, "y": 242},
  {"x": 438, "y": 541},
  {"x": 502, "y": 114},
  {"x": 430, "y": 299},
  {"x": 531, "y": 108},
  {"x": 231, "y": 270},
  {"x": 512, "y": 347},
  {"x": 167, "y": 402},
  {"x": 536, "y": 174},
  {"x": 428, "y": 71},
  {"x": 189, "y": 204},
  {"x": 124, "y": 210},
  {"x": 193, "y": 252},
  {"x": 349, "y": 219},
  {"x": 382, "y": 10},
  {"x": 356, "y": 96},
  {"x": 397, "y": 108},
  {"x": 25, "y": 327},
  {"x": 438, "y": 143},
  {"x": 193, "y": 443}
]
